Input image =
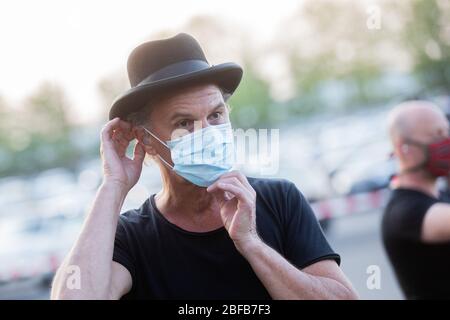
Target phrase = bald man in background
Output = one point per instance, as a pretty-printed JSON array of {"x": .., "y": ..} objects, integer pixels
[{"x": 416, "y": 225}]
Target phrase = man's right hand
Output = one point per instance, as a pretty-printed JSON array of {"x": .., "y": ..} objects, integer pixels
[{"x": 118, "y": 169}]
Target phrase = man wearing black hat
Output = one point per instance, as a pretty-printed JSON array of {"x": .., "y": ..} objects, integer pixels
[{"x": 211, "y": 232}]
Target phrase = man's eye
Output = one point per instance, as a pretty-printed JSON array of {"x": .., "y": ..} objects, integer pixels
[
  {"x": 183, "y": 123},
  {"x": 216, "y": 115}
]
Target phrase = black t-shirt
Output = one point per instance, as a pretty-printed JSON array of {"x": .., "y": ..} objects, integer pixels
[
  {"x": 167, "y": 262},
  {"x": 423, "y": 269}
]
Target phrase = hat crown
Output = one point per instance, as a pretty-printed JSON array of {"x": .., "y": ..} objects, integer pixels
[
  {"x": 156, "y": 68},
  {"x": 151, "y": 56}
]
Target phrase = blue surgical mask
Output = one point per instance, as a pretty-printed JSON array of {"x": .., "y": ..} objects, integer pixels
[{"x": 202, "y": 156}]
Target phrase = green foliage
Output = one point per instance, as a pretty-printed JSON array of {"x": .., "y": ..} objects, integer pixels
[
  {"x": 427, "y": 38},
  {"x": 251, "y": 102},
  {"x": 38, "y": 134}
]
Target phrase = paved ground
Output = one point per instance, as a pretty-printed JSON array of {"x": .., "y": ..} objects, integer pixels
[
  {"x": 358, "y": 240},
  {"x": 25, "y": 290}
]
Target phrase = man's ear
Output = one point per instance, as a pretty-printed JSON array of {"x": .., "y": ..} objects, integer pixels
[
  {"x": 397, "y": 150},
  {"x": 143, "y": 137}
]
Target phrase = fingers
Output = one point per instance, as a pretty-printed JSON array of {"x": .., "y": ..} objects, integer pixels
[
  {"x": 139, "y": 152},
  {"x": 237, "y": 178},
  {"x": 122, "y": 133},
  {"x": 228, "y": 196},
  {"x": 112, "y": 128},
  {"x": 116, "y": 126},
  {"x": 242, "y": 178},
  {"x": 126, "y": 126},
  {"x": 234, "y": 186},
  {"x": 120, "y": 142},
  {"x": 238, "y": 191},
  {"x": 116, "y": 135},
  {"x": 106, "y": 132},
  {"x": 107, "y": 143}
]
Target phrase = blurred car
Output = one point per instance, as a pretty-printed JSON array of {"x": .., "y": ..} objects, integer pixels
[
  {"x": 52, "y": 182},
  {"x": 34, "y": 247}
]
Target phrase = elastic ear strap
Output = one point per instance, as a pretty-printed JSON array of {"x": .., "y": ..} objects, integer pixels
[
  {"x": 165, "y": 162},
  {"x": 420, "y": 166},
  {"x": 414, "y": 169},
  {"x": 150, "y": 133},
  {"x": 164, "y": 144}
]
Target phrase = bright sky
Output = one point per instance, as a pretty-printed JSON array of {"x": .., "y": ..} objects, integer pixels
[{"x": 76, "y": 43}]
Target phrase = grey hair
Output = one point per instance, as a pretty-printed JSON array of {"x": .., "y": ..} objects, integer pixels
[{"x": 140, "y": 117}]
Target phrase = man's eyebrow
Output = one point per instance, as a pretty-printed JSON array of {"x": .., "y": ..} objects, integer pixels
[
  {"x": 220, "y": 105},
  {"x": 180, "y": 114},
  {"x": 183, "y": 114}
]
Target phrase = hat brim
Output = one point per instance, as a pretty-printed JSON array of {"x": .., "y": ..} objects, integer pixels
[{"x": 227, "y": 76}]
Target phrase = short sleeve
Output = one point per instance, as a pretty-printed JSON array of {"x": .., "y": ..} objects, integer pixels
[
  {"x": 122, "y": 251},
  {"x": 305, "y": 242}
]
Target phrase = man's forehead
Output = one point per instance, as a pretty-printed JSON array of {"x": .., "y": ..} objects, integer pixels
[
  {"x": 199, "y": 92},
  {"x": 193, "y": 98},
  {"x": 191, "y": 103}
]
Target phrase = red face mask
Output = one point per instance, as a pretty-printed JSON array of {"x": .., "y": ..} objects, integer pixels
[{"x": 437, "y": 157}]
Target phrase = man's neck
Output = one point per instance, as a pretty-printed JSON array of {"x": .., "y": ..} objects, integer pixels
[
  {"x": 420, "y": 181},
  {"x": 187, "y": 205}
]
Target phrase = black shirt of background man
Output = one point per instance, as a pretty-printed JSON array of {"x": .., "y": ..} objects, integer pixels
[
  {"x": 167, "y": 262},
  {"x": 422, "y": 269}
]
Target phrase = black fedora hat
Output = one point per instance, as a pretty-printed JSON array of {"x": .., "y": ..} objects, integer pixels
[{"x": 158, "y": 67}]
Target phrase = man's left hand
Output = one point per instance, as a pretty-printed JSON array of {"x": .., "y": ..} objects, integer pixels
[{"x": 237, "y": 201}]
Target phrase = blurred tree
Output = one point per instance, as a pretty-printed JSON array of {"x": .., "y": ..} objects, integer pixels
[
  {"x": 222, "y": 40},
  {"x": 426, "y": 36},
  {"x": 110, "y": 87},
  {"x": 39, "y": 133},
  {"x": 225, "y": 41},
  {"x": 46, "y": 113},
  {"x": 3, "y": 122},
  {"x": 251, "y": 101},
  {"x": 5, "y": 152},
  {"x": 334, "y": 58}
]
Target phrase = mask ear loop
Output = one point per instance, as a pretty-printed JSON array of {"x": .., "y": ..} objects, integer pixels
[
  {"x": 165, "y": 162},
  {"x": 164, "y": 144},
  {"x": 422, "y": 165}
]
